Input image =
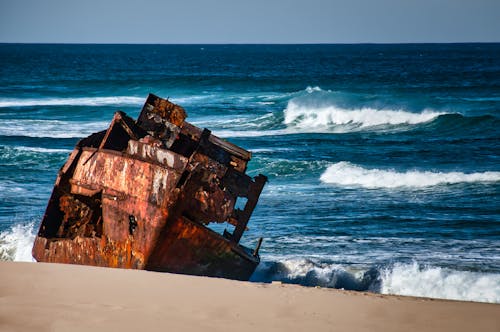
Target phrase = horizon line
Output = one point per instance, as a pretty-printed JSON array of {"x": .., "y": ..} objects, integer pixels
[{"x": 249, "y": 44}]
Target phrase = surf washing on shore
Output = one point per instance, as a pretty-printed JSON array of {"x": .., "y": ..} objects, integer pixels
[{"x": 383, "y": 160}]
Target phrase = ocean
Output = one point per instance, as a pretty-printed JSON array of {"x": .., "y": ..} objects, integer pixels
[{"x": 383, "y": 160}]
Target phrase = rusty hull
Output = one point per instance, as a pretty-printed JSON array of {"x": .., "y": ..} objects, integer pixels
[{"x": 141, "y": 194}]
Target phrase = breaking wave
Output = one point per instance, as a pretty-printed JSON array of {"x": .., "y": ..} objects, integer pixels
[
  {"x": 29, "y": 149},
  {"x": 314, "y": 110},
  {"x": 347, "y": 174},
  {"x": 31, "y": 158},
  {"x": 50, "y": 128},
  {"x": 410, "y": 279},
  {"x": 83, "y": 101},
  {"x": 436, "y": 282},
  {"x": 330, "y": 117},
  {"x": 17, "y": 242},
  {"x": 308, "y": 273}
]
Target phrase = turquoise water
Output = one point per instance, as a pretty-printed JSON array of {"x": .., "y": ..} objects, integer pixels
[{"x": 383, "y": 160}]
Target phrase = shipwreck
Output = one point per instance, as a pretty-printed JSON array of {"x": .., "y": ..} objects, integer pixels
[{"x": 141, "y": 194}]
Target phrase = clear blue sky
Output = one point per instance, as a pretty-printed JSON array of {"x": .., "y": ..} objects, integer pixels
[{"x": 249, "y": 21}]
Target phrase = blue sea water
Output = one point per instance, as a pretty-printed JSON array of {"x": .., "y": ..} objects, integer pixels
[{"x": 383, "y": 160}]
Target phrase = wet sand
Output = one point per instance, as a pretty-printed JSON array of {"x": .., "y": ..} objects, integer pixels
[{"x": 57, "y": 297}]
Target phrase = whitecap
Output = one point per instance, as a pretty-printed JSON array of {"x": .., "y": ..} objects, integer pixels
[
  {"x": 409, "y": 279},
  {"x": 436, "y": 282},
  {"x": 17, "y": 242},
  {"x": 327, "y": 118},
  {"x": 40, "y": 150},
  {"x": 347, "y": 174},
  {"x": 80, "y": 101},
  {"x": 50, "y": 128},
  {"x": 312, "y": 89}
]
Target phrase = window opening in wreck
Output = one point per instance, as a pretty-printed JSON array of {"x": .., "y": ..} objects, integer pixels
[
  {"x": 240, "y": 203},
  {"x": 221, "y": 228}
]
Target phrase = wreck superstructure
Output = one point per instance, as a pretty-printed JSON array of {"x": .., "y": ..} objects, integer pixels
[{"x": 141, "y": 194}]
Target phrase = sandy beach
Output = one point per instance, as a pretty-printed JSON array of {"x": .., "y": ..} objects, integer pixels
[{"x": 56, "y": 297}]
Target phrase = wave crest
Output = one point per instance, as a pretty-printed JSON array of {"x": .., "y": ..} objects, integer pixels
[
  {"x": 50, "y": 128},
  {"x": 328, "y": 117},
  {"x": 308, "y": 273},
  {"x": 436, "y": 282},
  {"x": 16, "y": 243},
  {"x": 347, "y": 174},
  {"x": 410, "y": 279},
  {"x": 79, "y": 101}
]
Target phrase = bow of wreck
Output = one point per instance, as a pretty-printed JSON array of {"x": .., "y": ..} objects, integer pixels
[{"x": 141, "y": 194}]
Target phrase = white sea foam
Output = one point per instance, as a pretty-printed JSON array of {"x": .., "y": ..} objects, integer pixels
[
  {"x": 309, "y": 273},
  {"x": 50, "y": 128},
  {"x": 17, "y": 242},
  {"x": 397, "y": 279},
  {"x": 314, "y": 110},
  {"x": 40, "y": 150},
  {"x": 330, "y": 117},
  {"x": 312, "y": 89},
  {"x": 83, "y": 101},
  {"x": 347, "y": 174},
  {"x": 436, "y": 282},
  {"x": 9, "y": 188}
]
